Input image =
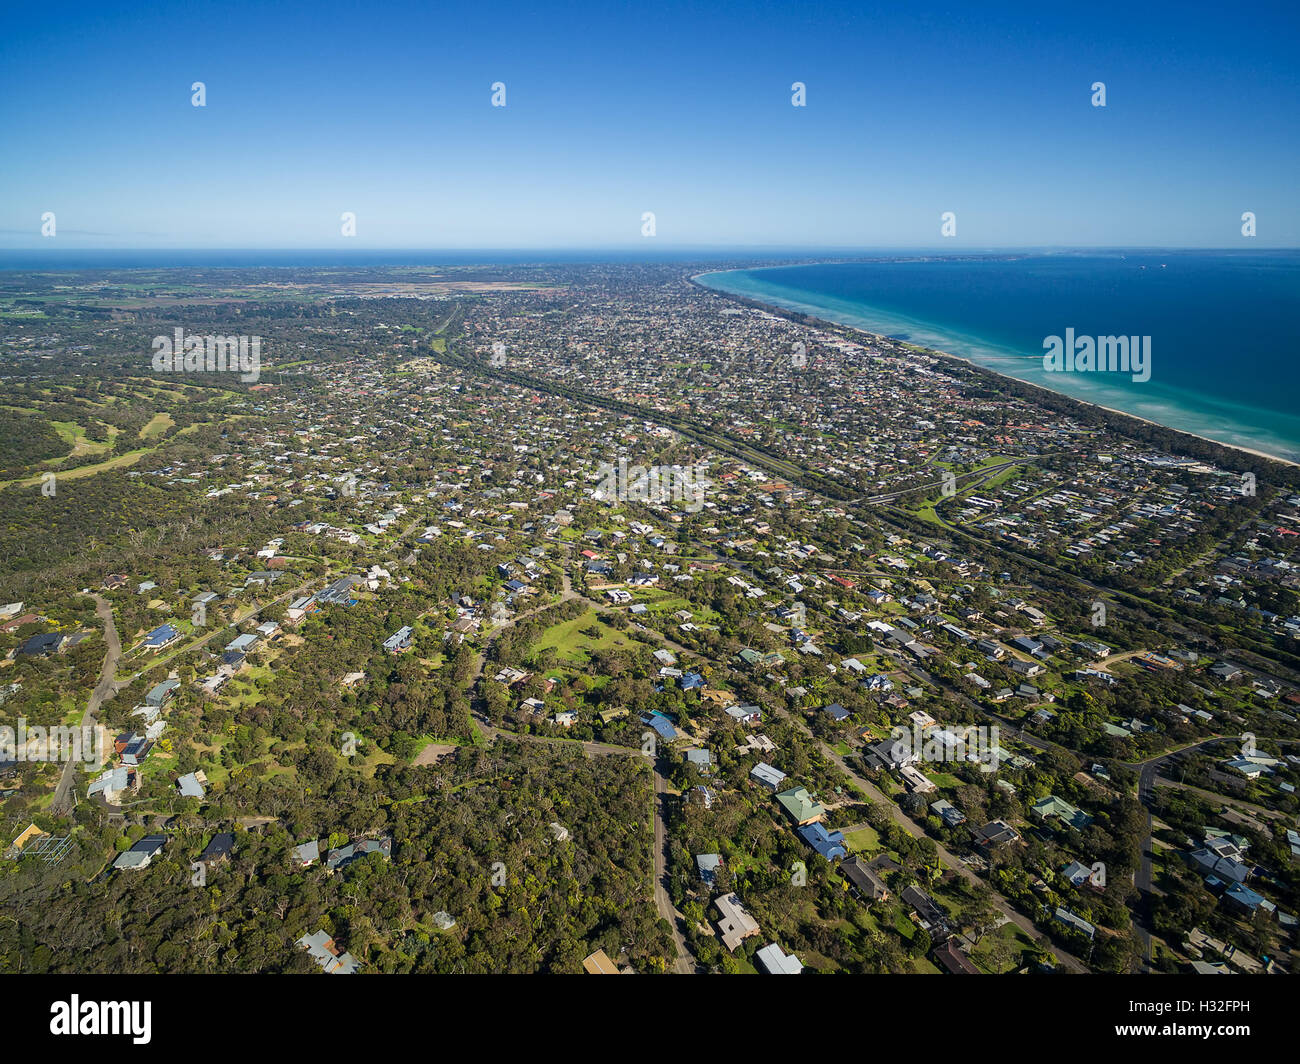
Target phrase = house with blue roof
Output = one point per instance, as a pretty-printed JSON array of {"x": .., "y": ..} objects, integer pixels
[
  {"x": 836, "y": 711},
  {"x": 830, "y": 844},
  {"x": 160, "y": 637},
  {"x": 1248, "y": 901},
  {"x": 662, "y": 725},
  {"x": 39, "y": 645},
  {"x": 692, "y": 681}
]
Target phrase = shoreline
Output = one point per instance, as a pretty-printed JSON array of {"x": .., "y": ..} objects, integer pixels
[{"x": 978, "y": 367}]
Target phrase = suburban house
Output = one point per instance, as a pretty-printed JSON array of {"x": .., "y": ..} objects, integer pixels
[
  {"x": 706, "y": 865},
  {"x": 219, "y": 849},
  {"x": 774, "y": 962},
  {"x": 948, "y": 813},
  {"x": 1225, "y": 866},
  {"x": 307, "y": 853},
  {"x": 136, "y": 750},
  {"x": 243, "y": 644},
  {"x": 1052, "y": 806},
  {"x": 600, "y": 964},
  {"x": 161, "y": 637},
  {"x": 320, "y": 946},
  {"x": 355, "y": 851},
  {"x": 734, "y": 923},
  {"x": 399, "y": 640},
  {"x": 862, "y": 880},
  {"x": 1246, "y": 901},
  {"x": 889, "y": 754},
  {"x": 191, "y": 785},
  {"x": 701, "y": 759},
  {"x": 662, "y": 725},
  {"x": 953, "y": 960},
  {"x": 927, "y": 911},
  {"x": 750, "y": 715},
  {"x": 113, "y": 782},
  {"x": 159, "y": 694},
  {"x": 830, "y": 844},
  {"x": 42, "y": 644},
  {"x": 915, "y": 780},
  {"x": 769, "y": 777},
  {"x": 800, "y": 807},
  {"x": 994, "y": 834},
  {"x": 139, "y": 855},
  {"x": 1077, "y": 874},
  {"x": 1076, "y": 921}
]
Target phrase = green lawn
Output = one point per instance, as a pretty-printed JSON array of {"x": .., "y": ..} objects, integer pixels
[
  {"x": 1007, "y": 933},
  {"x": 863, "y": 839}
]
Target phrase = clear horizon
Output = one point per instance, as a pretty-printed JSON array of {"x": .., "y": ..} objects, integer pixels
[
  {"x": 311, "y": 111},
  {"x": 657, "y": 252}
]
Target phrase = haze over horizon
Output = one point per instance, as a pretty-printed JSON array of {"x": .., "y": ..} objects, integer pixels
[{"x": 683, "y": 112}]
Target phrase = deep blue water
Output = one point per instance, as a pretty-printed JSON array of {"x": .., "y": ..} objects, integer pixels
[{"x": 1224, "y": 326}]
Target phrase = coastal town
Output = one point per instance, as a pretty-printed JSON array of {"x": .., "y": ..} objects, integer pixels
[{"x": 580, "y": 618}]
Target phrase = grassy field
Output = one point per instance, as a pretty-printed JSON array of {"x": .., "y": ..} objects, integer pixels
[
  {"x": 571, "y": 643},
  {"x": 864, "y": 839},
  {"x": 116, "y": 462},
  {"x": 1003, "y": 477},
  {"x": 158, "y": 424},
  {"x": 75, "y": 437}
]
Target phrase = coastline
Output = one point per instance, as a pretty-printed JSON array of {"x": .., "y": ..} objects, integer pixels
[{"x": 975, "y": 366}]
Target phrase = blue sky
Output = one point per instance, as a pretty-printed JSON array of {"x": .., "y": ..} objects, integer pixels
[{"x": 681, "y": 109}]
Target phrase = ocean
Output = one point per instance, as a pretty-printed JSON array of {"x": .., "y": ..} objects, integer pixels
[{"x": 1224, "y": 326}]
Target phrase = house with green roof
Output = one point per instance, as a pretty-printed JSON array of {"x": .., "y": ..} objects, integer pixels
[
  {"x": 800, "y": 807},
  {"x": 1052, "y": 806}
]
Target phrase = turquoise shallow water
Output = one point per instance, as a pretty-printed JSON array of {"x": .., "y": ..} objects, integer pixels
[{"x": 1224, "y": 326}]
